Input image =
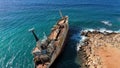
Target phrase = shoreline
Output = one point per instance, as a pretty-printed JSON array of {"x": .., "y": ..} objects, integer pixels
[{"x": 99, "y": 49}]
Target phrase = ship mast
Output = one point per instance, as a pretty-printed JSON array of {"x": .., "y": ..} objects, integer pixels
[
  {"x": 61, "y": 14},
  {"x": 35, "y": 36}
]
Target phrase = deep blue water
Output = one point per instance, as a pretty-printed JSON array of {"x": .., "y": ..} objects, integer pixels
[{"x": 16, "y": 43}]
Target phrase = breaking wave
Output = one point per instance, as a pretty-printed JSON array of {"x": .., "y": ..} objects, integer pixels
[
  {"x": 102, "y": 30},
  {"x": 107, "y": 23},
  {"x": 81, "y": 42}
]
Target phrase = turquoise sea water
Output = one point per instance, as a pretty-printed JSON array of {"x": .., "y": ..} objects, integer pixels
[{"x": 16, "y": 43}]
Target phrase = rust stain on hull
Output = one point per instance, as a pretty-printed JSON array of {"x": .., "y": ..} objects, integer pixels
[{"x": 46, "y": 52}]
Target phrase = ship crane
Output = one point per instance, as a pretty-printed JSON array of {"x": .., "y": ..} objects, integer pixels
[
  {"x": 35, "y": 36},
  {"x": 61, "y": 14},
  {"x": 45, "y": 53}
]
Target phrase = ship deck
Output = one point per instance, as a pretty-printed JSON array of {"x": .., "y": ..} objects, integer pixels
[{"x": 57, "y": 35}]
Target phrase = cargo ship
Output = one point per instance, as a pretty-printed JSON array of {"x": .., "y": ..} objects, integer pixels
[{"x": 46, "y": 52}]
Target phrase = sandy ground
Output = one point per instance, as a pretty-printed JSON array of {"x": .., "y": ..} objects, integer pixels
[
  {"x": 100, "y": 50},
  {"x": 109, "y": 57}
]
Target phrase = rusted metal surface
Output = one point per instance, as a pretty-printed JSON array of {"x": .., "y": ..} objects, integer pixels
[{"x": 45, "y": 53}]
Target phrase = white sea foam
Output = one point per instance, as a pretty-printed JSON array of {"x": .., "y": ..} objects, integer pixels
[
  {"x": 118, "y": 31},
  {"x": 107, "y": 23},
  {"x": 12, "y": 59},
  {"x": 2, "y": 61},
  {"x": 76, "y": 37},
  {"x": 81, "y": 42},
  {"x": 86, "y": 30},
  {"x": 102, "y": 30}
]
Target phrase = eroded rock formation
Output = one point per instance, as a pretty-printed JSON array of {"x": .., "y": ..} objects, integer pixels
[{"x": 100, "y": 50}]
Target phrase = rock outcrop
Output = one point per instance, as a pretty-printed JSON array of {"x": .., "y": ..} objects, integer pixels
[{"x": 100, "y": 50}]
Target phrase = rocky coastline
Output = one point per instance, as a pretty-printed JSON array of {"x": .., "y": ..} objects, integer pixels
[{"x": 100, "y": 50}]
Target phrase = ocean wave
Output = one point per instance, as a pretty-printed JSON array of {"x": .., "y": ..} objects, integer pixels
[
  {"x": 81, "y": 42},
  {"x": 2, "y": 61},
  {"x": 102, "y": 30},
  {"x": 118, "y": 30},
  {"x": 107, "y": 23},
  {"x": 12, "y": 59}
]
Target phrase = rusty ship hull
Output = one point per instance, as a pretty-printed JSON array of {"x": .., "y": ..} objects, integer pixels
[{"x": 45, "y": 53}]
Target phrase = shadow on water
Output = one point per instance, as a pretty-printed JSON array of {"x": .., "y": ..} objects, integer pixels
[{"x": 67, "y": 58}]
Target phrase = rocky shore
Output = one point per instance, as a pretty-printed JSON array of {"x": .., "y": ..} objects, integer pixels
[{"x": 100, "y": 50}]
